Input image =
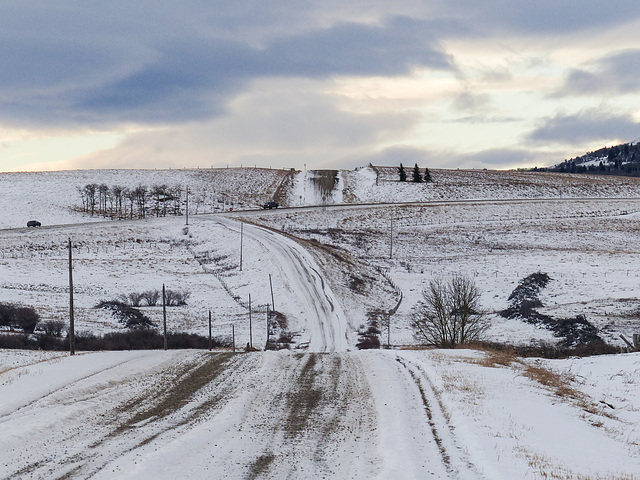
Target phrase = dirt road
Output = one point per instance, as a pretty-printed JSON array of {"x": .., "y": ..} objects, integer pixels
[
  {"x": 325, "y": 321},
  {"x": 189, "y": 414}
]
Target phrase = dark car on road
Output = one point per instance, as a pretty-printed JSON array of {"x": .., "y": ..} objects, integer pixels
[
  {"x": 270, "y": 205},
  {"x": 33, "y": 223}
]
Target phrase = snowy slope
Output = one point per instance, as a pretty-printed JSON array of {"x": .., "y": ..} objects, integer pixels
[{"x": 51, "y": 197}]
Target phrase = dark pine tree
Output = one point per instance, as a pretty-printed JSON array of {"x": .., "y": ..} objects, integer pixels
[
  {"x": 427, "y": 175},
  {"x": 402, "y": 174},
  {"x": 417, "y": 176}
]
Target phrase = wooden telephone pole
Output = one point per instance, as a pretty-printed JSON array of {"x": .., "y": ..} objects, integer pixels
[
  {"x": 72, "y": 334},
  {"x": 187, "y": 221},
  {"x": 164, "y": 315},
  {"x": 273, "y": 304},
  {"x": 241, "y": 237},
  {"x": 250, "y": 329},
  {"x": 391, "y": 238},
  {"x": 209, "y": 330}
]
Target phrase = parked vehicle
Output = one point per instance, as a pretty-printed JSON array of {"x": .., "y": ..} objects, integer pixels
[
  {"x": 270, "y": 205},
  {"x": 33, "y": 223}
]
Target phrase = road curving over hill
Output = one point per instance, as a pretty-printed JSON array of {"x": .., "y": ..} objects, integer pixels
[{"x": 325, "y": 319}]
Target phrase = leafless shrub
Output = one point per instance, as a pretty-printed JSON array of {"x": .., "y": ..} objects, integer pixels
[
  {"x": 53, "y": 328},
  {"x": 152, "y": 297},
  {"x": 26, "y": 318},
  {"x": 176, "y": 298},
  {"x": 449, "y": 313},
  {"x": 135, "y": 299},
  {"x": 131, "y": 317},
  {"x": 279, "y": 336}
]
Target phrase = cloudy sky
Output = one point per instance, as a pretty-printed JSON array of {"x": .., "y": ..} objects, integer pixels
[{"x": 289, "y": 83}]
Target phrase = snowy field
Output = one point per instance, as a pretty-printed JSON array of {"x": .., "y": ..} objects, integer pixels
[
  {"x": 53, "y": 198},
  {"x": 299, "y": 414}
]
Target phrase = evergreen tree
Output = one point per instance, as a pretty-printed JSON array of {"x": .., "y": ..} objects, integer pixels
[
  {"x": 427, "y": 175},
  {"x": 417, "y": 176},
  {"x": 402, "y": 173}
]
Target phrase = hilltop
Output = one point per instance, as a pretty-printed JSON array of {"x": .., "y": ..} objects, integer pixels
[
  {"x": 623, "y": 159},
  {"x": 57, "y": 197}
]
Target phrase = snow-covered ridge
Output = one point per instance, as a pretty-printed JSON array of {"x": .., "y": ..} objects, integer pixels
[{"x": 50, "y": 196}]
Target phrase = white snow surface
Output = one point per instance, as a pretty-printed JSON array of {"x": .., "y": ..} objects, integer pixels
[
  {"x": 304, "y": 413},
  {"x": 369, "y": 414}
]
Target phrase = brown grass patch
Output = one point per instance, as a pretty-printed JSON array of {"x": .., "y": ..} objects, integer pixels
[
  {"x": 560, "y": 385},
  {"x": 545, "y": 468}
]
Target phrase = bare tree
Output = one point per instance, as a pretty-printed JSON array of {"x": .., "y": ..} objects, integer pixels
[
  {"x": 449, "y": 313},
  {"x": 151, "y": 297},
  {"x": 53, "y": 328},
  {"x": 176, "y": 298},
  {"x": 159, "y": 194},
  {"x": 131, "y": 196},
  {"x": 117, "y": 194},
  {"x": 134, "y": 299},
  {"x": 140, "y": 193},
  {"x": 90, "y": 194},
  {"x": 103, "y": 194}
]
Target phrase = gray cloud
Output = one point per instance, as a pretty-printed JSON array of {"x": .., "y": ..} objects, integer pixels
[
  {"x": 497, "y": 158},
  {"x": 116, "y": 74},
  {"x": 191, "y": 70},
  {"x": 585, "y": 127},
  {"x": 395, "y": 155},
  {"x": 265, "y": 127},
  {"x": 491, "y": 159},
  {"x": 471, "y": 101},
  {"x": 615, "y": 74},
  {"x": 144, "y": 62},
  {"x": 542, "y": 16}
]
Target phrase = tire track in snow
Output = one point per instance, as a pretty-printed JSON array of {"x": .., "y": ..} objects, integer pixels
[
  {"x": 453, "y": 457},
  {"x": 65, "y": 386},
  {"x": 325, "y": 318},
  {"x": 76, "y": 432},
  {"x": 291, "y": 416}
]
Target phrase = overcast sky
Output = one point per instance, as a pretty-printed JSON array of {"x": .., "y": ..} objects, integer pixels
[{"x": 289, "y": 83}]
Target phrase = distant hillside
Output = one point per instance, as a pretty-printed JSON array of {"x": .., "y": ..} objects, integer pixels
[
  {"x": 623, "y": 159},
  {"x": 93, "y": 195}
]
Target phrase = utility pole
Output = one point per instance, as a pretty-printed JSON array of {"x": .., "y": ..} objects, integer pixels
[
  {"x": 391, "y": 238},
  {"x": 389, "y": 331},
  {"x": 164, "y": 314},
  {"x": 72, "y": 334},
  {"x": 267, "y": 344},
  {"x": 250, "y": 330},
  {"x": 187, "y": 222},
  {"x": 273, "y": 305},
  {"x": 241, "y": 236},
  {"x": 209, "y": 330},
  {"x": 233, "y": 337}
]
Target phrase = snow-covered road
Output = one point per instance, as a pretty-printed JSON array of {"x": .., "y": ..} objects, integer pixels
[
  {"x": 361, "y": 415},
  {"x": 195, "y": 415},
  {"x": 324, "y": 318}
]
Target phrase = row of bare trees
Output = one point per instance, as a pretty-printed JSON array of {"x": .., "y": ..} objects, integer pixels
[
  {"x": 121, "y": 202},
  {"x": 142, "y": 201}
]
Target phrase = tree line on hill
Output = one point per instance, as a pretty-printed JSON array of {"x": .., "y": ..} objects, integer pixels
[
  {"x": 416, "y": 176},
  {"x": 116, "y": 201},
  {"x": 623, "y": 159},
  {"x": 138, "y": 202}
]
